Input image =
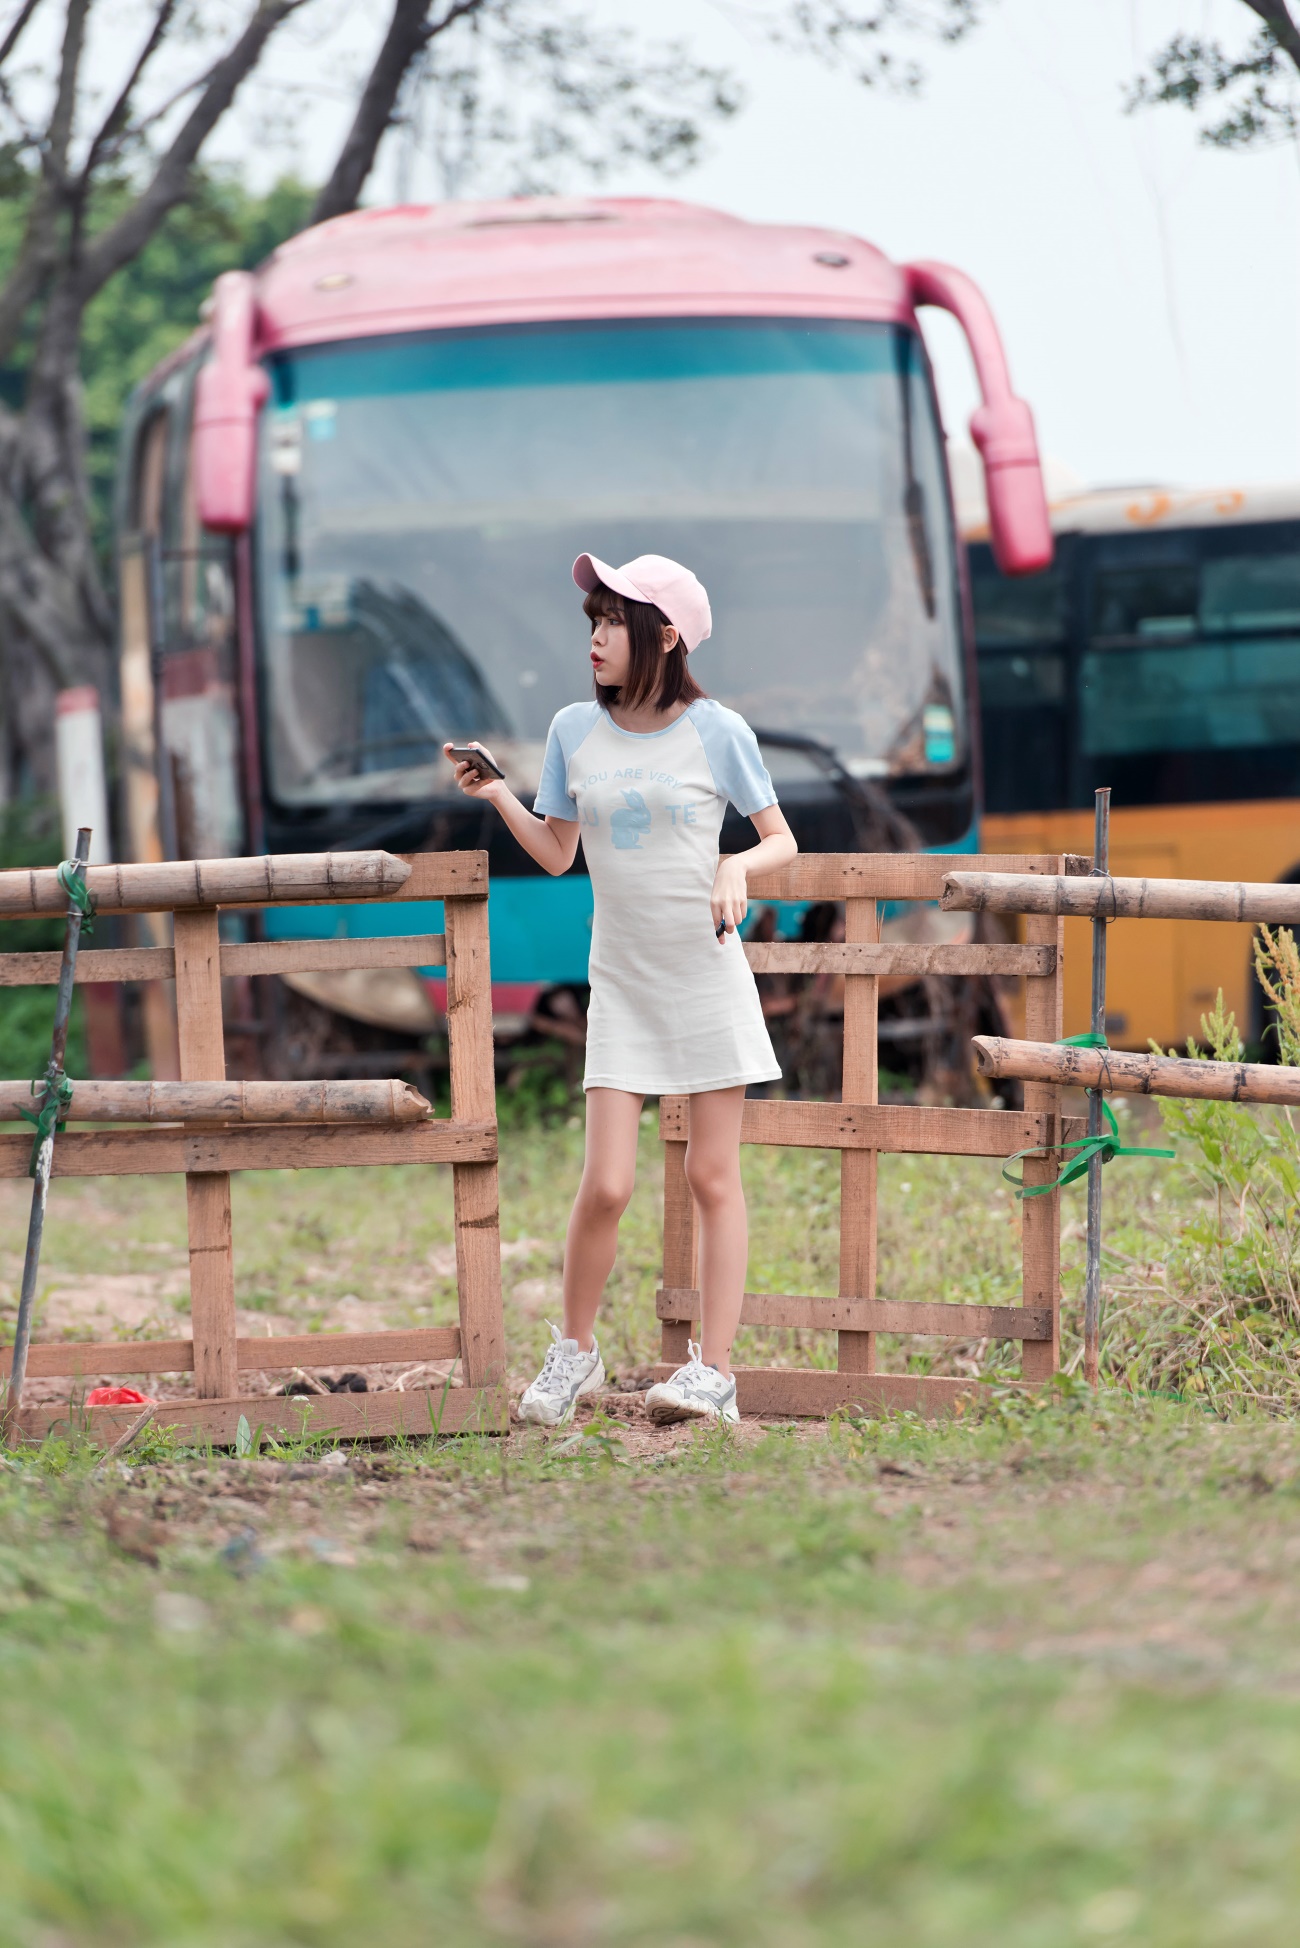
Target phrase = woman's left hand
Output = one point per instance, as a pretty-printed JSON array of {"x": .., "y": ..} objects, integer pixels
[{"x": 730, "y": 897}]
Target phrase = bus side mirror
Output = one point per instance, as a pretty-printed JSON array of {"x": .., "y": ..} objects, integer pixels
[
  {"x": 1002, "y": 427},
  {"x": 228, "y": 395}
]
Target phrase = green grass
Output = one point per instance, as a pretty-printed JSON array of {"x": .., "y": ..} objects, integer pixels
[
  {"x": 1027, "y": 1680},
  {"x": 1033, "y": 1683}
]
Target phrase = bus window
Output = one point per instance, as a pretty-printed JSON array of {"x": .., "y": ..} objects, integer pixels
[
  {"x": 1180, "y": 649},
  {"x": 1021, "y": 627},
  {"x": 1188, "y": 685}
]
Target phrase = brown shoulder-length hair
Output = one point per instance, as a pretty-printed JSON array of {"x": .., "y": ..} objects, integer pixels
[{"x": 655, "y": 676}]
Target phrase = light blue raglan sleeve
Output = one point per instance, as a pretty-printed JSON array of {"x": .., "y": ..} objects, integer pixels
[
  {"x": 568, "y": 728},
  {"x": 734, "y": 758}
]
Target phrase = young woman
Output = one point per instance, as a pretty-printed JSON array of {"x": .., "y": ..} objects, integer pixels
[{"x": 643, "y": 775}]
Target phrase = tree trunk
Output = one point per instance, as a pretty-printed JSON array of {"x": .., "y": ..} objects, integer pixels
[{"x": 55, "y": 620}]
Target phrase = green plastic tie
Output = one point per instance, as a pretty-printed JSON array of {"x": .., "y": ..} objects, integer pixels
[
  {"x": 52, "y": 1114},
  {"x": 1106, "y": 1146},
  {"x": 69, "y": 876}
]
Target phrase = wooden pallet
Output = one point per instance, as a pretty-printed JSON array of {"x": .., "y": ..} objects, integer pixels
[
  {"x": 467, "y": 1140},
  {"x": 860, "y": 1128}
]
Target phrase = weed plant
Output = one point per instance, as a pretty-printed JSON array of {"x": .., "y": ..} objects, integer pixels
[{"x": 1216, "y": 1312}]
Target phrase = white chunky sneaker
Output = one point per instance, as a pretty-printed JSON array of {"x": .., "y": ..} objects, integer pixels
[
  {"x": 567, "y": 1373},
  {"x": 695, "y": 1392}
]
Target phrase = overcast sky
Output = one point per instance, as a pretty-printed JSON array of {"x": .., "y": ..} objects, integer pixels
[{"x": 1148, "y": 289}]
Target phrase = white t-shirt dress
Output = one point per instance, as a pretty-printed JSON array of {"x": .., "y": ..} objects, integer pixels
[{"x": 673, "y": 1010}]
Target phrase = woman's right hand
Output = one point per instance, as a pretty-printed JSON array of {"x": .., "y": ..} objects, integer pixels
[{"x": 473, "y": 783}]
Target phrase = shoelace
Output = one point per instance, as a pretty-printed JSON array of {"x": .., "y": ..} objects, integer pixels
[
  {"x": 694, "y": 1373},
  {"x": 557, "y": 1364}
]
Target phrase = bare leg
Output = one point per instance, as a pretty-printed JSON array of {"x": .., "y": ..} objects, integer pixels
[
  {"x": 608, "y": 1175},
  {"x": 713, "y": 1173}
]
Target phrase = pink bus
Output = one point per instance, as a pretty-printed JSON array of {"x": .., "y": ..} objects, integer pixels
[{"x": 348, "y": 507}]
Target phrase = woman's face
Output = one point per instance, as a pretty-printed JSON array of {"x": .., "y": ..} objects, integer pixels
[{"x": 610, "y": 651}]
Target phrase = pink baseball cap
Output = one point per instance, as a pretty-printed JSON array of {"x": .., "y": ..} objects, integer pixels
[{"x": 653, "y": 578}]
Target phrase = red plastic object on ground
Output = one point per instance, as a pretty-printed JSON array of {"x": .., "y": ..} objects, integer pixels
[{"x": 118, "y": 1397}]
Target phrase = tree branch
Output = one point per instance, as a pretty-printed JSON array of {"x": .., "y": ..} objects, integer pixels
[
  {"x": 114, "y": 123},
  {"x": 10, "y": 41},
  {"x": 38, "y": 252},
  {"x": 59, "y": 134},
  {"x": 124, "y": 239},
  {"x": 409, "y": 32},
  {"x": 1277, "y": 17}
]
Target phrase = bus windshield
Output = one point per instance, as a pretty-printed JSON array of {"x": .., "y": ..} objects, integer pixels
[{"x": 421, "y": 500}]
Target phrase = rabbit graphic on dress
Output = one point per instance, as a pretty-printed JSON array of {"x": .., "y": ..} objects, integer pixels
[{"x": 628, "y": 821}]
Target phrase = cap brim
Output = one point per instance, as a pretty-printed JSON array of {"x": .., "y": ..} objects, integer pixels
[{"x": 590, "y": 572}]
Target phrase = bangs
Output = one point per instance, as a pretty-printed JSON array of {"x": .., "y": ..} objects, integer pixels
[{"x": 601, "y": 601}]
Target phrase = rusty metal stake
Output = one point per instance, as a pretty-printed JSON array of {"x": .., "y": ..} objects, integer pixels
[{"x": 1092, "y": 1282}]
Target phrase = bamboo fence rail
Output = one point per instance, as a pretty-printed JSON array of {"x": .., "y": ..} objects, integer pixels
[
  {"x": 230, "y": 1102},
  {"x": 1104, "y": 898},
  {"x": 1122, "y": 1072}
]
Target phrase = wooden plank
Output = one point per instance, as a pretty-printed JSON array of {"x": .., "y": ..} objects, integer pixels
[
  {"x": 871, "y": 1315},
  {"x": 1124, "y": 899},
  {"x": 887, "y": 875},
  {"x": 859, "y": 1169},
  {"x": 93, "y": 964},
  {"x": 445, "y": 875},
  {"x": 258, "y": 1103},
  {"x": 349, "y": 1416},
  {"x": 276, "y": 1351},
  {"x": 681, "y": 1236},
  {"x": 895, "y": 957},
  {"x": 212, "y": 1280},
  {"x": 207, "y": 1192},
  {"x": 327, "y": 956},
  {"x": 250, "y": 957},
  {"x": 160, "y": 1152},
  {"x": 1040, "y": 1246},
  {"x": 898, "y": 1128},
  {"x": 786, "y": 1393},
  {"x": 177, "y": 885},
  {"x": 269, "y": 1354},
  {"x": 473, "y": 1098}
]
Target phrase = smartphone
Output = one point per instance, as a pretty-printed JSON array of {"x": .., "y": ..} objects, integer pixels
[{"x": 486, "y": 766}]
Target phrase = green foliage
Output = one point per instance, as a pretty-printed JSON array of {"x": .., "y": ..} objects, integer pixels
[
  {"x": 1252, "y": 91},
  {"x": 1277, "y": 969},
  {"x": 152, "y": 306},
  {"x": 1234, "y": 1263},
  {"x": 30, "y": 836},
  {"x": 538, "y": 1092}
]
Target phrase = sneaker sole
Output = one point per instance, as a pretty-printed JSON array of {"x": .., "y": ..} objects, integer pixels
[
  {"x": 665, "y": 1413},
  {"x": 532, "y": 1417}
]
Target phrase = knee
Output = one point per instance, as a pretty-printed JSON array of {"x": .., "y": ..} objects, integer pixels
[
  {"x": 604, "y": 1196},
  {"x": 712, "y": 1183}
]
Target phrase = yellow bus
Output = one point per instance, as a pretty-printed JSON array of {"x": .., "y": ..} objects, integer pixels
[{"x": 1159, "y": 655}]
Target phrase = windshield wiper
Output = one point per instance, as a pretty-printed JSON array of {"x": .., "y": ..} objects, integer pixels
[{"x": 878, "y": 825}]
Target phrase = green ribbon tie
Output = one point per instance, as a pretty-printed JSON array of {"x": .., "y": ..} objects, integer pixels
[
  {"x": 70, "y": 879},
  {"x": 1106, "y": 1146},
  {"x": 52, "y": 1114}
]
